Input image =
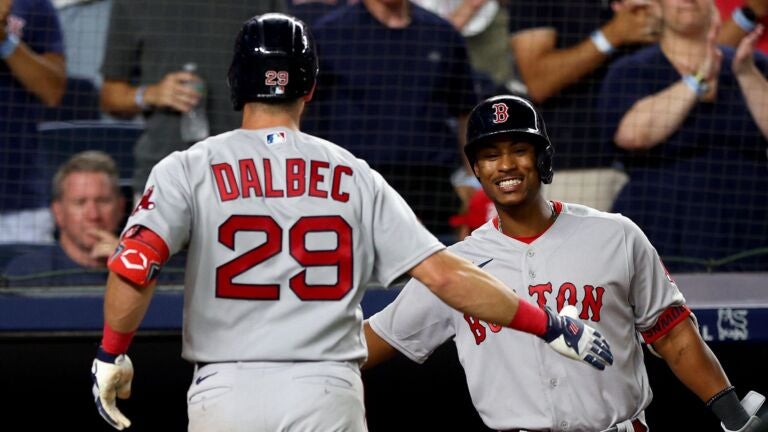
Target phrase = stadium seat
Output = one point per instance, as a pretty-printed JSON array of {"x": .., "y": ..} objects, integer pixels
[
  {"x": 80, "y": 102},
  {"x": 58, "y": 141}
]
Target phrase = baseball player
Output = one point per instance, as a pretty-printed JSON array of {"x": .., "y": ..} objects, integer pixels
[
  {"x": 562, "y": 255},
  {"x": 284, "y": 231}
]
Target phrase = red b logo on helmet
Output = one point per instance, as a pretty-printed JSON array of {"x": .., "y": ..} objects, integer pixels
[{"x": 500, "y": 113}]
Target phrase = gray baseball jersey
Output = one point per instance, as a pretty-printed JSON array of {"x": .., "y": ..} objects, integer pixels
[
  {"x": 284, "y": 230},
  {"x": 601, "y": 263}
]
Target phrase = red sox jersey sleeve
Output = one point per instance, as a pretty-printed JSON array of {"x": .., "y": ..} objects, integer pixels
[
  {"x": 658, "y": 303},
  {"x": 169, "y": 186}
]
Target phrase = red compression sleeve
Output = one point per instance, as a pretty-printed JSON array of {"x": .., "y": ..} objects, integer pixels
[
  {"x": 529, "y": 318},
  {"x": 115, "y": 342}
]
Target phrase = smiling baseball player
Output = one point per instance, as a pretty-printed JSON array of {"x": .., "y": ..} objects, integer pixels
[
  {"x": 563, "y": 256},
  {"x": 284, "y": 231}
]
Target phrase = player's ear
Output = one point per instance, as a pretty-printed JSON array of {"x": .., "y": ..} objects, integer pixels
[
  {"x": 308, "y": 96},
  {"x": 475, "y": 170}
]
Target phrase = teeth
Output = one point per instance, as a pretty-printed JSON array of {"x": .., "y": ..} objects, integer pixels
[{"x": 510, "y": 183}]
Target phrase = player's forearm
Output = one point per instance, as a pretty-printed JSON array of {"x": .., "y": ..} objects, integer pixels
[
  {"x": 465, "y": 287},
  {"x": 379, "y": 350},
  {"x": 125, "y": 304},
  {"x": 547, "y": 73},
  {"x": 42, "y": 74},
  {"x": 754, "y": 87},
  {"x": 119, "y": 98},
  {"x": 654, "y": 118},
  {"x": 691, "y": 360}
]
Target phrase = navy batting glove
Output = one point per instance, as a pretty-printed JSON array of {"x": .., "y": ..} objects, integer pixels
[{"x": 571, "y": 337}]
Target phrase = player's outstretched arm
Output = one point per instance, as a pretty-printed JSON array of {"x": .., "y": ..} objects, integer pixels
[
  {"x": 697, "y": 368},
  {"x": 379, "y": 350},
  {"x": 465, "y": 287}
]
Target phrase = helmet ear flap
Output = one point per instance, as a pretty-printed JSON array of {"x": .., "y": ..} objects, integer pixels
[{"x": 544, "y": 164}]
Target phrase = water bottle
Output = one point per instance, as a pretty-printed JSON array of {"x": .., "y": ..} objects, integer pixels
[{"x": 194, "y": 123}]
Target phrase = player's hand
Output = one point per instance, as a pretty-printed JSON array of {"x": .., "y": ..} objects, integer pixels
[
  {"x": 569, "y": 336},
  {"x": 112, "y": 376}
]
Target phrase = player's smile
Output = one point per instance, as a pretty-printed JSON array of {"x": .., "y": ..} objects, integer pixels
[{"x": 509, "y": 184}]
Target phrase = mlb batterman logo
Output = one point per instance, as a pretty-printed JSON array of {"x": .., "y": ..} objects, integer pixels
[{"x": 276, "y": 138}]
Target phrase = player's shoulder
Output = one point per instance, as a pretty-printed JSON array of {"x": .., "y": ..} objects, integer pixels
[
  {"x": 198, "y": 153},
  {"x": 333, "y": 151},
  {"x": 605, "y": 220},
  {"x": 585, "y": 213},
  {"x": 475, "y": 246}
]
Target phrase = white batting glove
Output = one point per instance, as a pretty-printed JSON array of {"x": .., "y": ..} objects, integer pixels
[
  {"x": 112, "y": 376},
  {"x": 569, "y": 336}
]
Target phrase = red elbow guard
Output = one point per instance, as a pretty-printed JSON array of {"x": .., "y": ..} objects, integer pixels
[{"x": 139, "y": 256}]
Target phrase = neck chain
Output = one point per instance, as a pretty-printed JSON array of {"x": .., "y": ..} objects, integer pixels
[{"x": 553, "y": 215}]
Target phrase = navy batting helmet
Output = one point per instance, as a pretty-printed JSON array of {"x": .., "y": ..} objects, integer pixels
[
  {"x": 514, "y": 117},
  {"x": 274, "y": 60}
]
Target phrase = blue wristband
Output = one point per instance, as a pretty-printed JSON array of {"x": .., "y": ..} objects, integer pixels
[
  {"x": 138, "y": 98},
  {"x": 698, "y": 86},
  {"x": 743, "y": 21},
  {"x": 9, "y": 45},
  {"x": 601, "y": 42},
  {"x": 105, "y": 356}
]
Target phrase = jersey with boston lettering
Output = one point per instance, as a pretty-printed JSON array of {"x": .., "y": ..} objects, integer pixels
[
  {"x": 601, "y": 263},
  {"x": 284, "y": 231}
]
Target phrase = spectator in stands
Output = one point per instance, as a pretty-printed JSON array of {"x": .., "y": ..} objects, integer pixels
[
  {"x": 485, "y": 27},
  {"x": 84, "y": 25},
  {"x": 562, "y": 50},
  {"x": 395, "y": 88},
  {"x": 691, "y": 116},
  {"x": 32, "y": 76},
  {"x": 147, "y": 45},
  {"x": 310, "y": 11},
  {"x": 88, "y": 208},
  {"x": 739, "y": 18}
]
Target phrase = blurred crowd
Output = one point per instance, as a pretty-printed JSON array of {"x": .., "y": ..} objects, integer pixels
[{"x": 656, "y": 109}]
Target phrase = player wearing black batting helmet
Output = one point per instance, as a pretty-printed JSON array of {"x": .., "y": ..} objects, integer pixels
[
  {"x": 510, "y": 116},
  {"x": 275, "y": 60}
]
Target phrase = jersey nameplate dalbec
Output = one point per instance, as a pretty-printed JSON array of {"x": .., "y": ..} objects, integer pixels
[{"x": 251, "y": 178}]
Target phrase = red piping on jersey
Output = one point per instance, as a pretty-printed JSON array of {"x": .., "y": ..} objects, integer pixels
[{"x": 557, "y": 205}]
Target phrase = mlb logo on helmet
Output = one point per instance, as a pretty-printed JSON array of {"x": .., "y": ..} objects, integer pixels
[{"x": 276, "y": 138}]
